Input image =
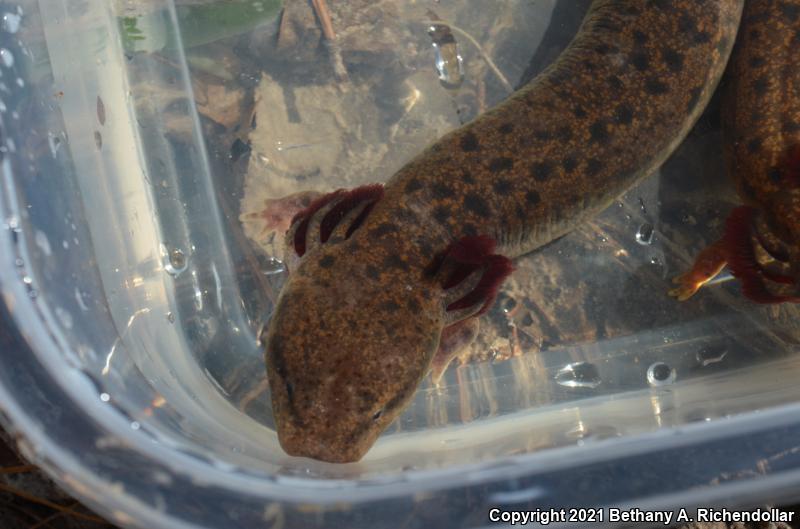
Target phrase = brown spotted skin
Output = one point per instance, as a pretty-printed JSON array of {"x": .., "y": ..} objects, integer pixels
[
  {"x": 761, "y": 113},
  {"x": 359, "y": 320},
  {"x": 761, "y": 131}
]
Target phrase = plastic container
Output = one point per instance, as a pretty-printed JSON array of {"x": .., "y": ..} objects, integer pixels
[{"x": 131, "y": 300}]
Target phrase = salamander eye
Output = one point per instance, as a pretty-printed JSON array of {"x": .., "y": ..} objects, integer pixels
[{"x": 377, "y": 415}]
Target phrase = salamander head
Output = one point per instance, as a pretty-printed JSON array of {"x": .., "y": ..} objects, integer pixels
[
  {"x": 345, "y": 354},
  {"x": 359, "y": 320}
]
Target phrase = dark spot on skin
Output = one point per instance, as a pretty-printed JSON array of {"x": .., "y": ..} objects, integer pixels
[
  {"x": 542, "y": 135},
  {"x": 565, "y": 133},
  {"x": 663, "y": 5},
  {"x": 599, "y": 131},
  {"x": 761, "y": 85},
  {"x": 790, "y": 11},
  {"x": 604, "y": 48},
  {"x": 327, "y": 261},
  {"x": 466, "y": 176},
  {"x": 502, "y": 186},
  {"x": 790, "y": 126},
  {"x": 656, "y": 86},
  {"x": 506, "y": 128},
  {"x": 796, "y": 38},
  {"x": 623, "y": 114},
  {"x": 757, "y": 61},
  {"x": 373, "y": 272},
  {"x": 413, "y": 305},
  {"x": 395, "y": 261},
  {"x": 754, "y": 34},
  {"x": 722, "y": 44},
  {"x": 425, "y": 247},
  {"x": 390, "y": 306},
  {"x": 694, "y": 97},
  {"x": 702, "y": 37},
  {"x": 441, "y": 214},
  {"x": 383, "y": 229},
  {"x": 413, "y": 185},
  {"x": 775, "y": 174},
  {"x": 500, "y": 164},
  {"x": 593, "y": 166},
  {"x": 532, "y": 198},
  {"x": 673, "y": 59},
  {"x": 476, "y": 204},
  {"x": 754, "y": 145},
  {"x": 469, "y": 230},
  {"x": 607, "y": 25},
  {"x": 569, "y": 164},
  {"x": 404, "y": 215},
  {"x": 579, "y": 111},
  {"x": 640, "y": 61},
  {"x": 632, "y": 10},
  {"x": 521, "y": 213},
  {"x": 469, "y": 142},
  {"x": 541, "y": 171},
  {"x": 441, "y": 190},
  {"x": 614, "y": 82},
  {"x": 527, "y": 320},
  {"x": 639, "y": 37},
  {"x": 685, "y": 24}
]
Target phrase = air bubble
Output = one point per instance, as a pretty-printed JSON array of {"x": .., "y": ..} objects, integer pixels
[
  {"x": 177, "y": 262},
  {"x": 578, "y": 375},
  {"x": 43, "y": 243},
  {"x": 11, "y": 22},
  {"x": 170, "y": 317},
  {"x": 12, "y": 223},
  {"x": 64, "y": 317},
  {"x": 274, "y": 266},
  {"x": 710, "y": 355},
  {"x": 660, "y": 374},
  {"x": 6, "y": 57},
  {"x": 135, "y": 425},
  {"x": 644, "y": 235},
  {"x": 54, "y": 142},
  {"x": 105, "y": 397}
]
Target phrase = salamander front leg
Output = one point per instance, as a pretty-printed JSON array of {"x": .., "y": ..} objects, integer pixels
[
  {"x": 707, "y": 265},
  {"x": 454, "y": 341}
]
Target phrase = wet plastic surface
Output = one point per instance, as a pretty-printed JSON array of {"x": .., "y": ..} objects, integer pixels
[{"x": 134, "y": 375}]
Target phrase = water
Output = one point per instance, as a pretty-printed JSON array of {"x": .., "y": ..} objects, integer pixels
[
  {"x": 579, "y": 326},
  {"x": 578, "y": 375}
]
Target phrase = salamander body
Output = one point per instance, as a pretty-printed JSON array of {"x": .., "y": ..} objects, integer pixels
[
  {"x": 761, "y": 133},
  {"x": 382, "y": 272}
]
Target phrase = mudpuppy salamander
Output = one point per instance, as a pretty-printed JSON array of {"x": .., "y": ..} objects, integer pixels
[
  {"x": 761, "y": 129},
  {"x": 383, "y": 272}
]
